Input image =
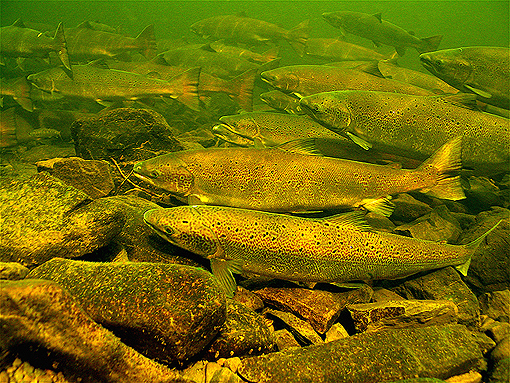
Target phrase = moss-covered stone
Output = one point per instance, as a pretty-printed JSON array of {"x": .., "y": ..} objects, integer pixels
[
  {"x": 42, "y": 218},
  {"x": 165, "y": 311},
  {"x": 434, "y": 352},
  {"x": 44, "y": 323}
]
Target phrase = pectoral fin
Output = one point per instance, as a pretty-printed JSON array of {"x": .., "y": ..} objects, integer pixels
[
  {"x": 381, "y": 206},
  {"x": 222, "y": 270},
  {"x": 360, "y": 141},
  {"x": 480, "y": 92}
]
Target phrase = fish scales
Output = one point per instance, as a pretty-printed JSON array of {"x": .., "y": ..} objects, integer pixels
[
  {"x": 278, "y": 180},
  {"x": 416, "y": 125},
  {"x": 333, "y": 249}
]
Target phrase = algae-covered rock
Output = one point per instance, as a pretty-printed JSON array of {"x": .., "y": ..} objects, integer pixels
[
  {"x": 42, "y": 321},
  {"x": 13, "y": 270},
  {"x": 165, "y": 311},
  {"x": 444, "y": 284},
  {"x": 244, "y": 332},
  {"x": 302, "y": 330},
  {"x": 496, "y": 305},
  {"x": 42, "y": 218},
  {"x": 435, "y": 351},
  {"x": 124, "y": 134}
]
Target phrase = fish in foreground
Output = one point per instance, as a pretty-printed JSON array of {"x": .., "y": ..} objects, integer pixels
[
  {"x": 19, "y": 41},
  {"x": 380, "y": 31},
  {"x": 415, "y": 126},
  {"x": 335, "y": 249},
  {"x": 242, "y": 29},
  {"x": 282, "y": 181},
  {"x": 484, "y": 71},
  {"x": 92, "y": 82}
]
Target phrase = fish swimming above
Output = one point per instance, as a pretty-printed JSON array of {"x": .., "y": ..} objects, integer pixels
[
  {"x": 340, "y": 50},
  {"x": 484, "y": 71},
  {"x": 304, "y": 80},
  {"x": 19, "y": 89},
  {"x": 242, "y": 29},
  {"x": 282, "y": 101},
  {"x": 108, "y": 85},
  {"x": 284, "y": 181},
  {"x": 416, "y": 126},
  {"x": 335, "y": 249},
  {"x": 380, "y": 31},
  {"x": 17, "y": 40},
  {"x": 269, "y": 55},
  {"x": 87, "y": 43}
]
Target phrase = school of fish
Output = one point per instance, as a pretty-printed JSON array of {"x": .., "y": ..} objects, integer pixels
[{"x": 342, "y": 128}]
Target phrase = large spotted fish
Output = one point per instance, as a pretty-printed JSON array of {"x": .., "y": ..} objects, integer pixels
[{"x": 335, "y": 249}]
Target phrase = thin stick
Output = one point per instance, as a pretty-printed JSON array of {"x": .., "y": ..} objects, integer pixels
[{"x": 126, "y": 178}]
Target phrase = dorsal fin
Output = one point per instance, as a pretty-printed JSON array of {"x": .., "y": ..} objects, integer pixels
[
  {"x": 99, "y": 63},
  {"x": 371, "y": 67},
  {"x": 355, "y": 219},
  {"x": 85, "y": 24},
  {"x": 19, "y": 23},
  {"x": 378, "y": 16},
  {"x": 159, "y": 59},
  {"x": 464, "y": 100}
]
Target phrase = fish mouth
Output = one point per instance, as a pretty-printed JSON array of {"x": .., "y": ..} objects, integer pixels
[{"x": 427, "y": 63}]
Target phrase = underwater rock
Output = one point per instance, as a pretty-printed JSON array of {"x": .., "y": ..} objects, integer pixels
[
  {"x": 22, "y": 371},
  {"x": 42, "y": 218},
  {"x": 165, "y": 311},
  {"x": 142, "y": 244},
  {"x": 496, "y": 305},
  {"x": 302, "y": 331},
  {"x": 499, "y": 331},
  {"x": 243, "y": 333},
  {"x": 248, "y": 299},
  {"x": 379, "y": 222},
  {"x": 501, "y": 351},
  {"x": 500, "y": 372},
  {"x": 401, "y": 314},
  {"x": 43, "y": 323},
  {"x": 47, "y": 152},
  {"x": 434, "y": 351},
  {"x": 15, "y": 169},
  {"x": 124, "y": 134},
  {"x": 408, "y": 208},
  {"x": 284, "y": 339},
  {"x": 438, "y": 225},
  {"x": 90, "y": 176},
  {"x": 490, "y": 264},
  {"x": 320, "y": 308},
  {"x": 210, "y": 372},
  {"x": 444, "y": 284},
  {"x": 336, "y": 332},
  {"x": 13, "y": 270},
  {"x": 469, "y": 377},
  {"x": 481, "y": 193},
  {"x": 382, "y": 295}
]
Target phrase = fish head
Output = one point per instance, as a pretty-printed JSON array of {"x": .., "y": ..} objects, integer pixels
[
  {"x": 329, "y": 109},
  {"x": 225, "y": 133},
  {"x": 283, "y": 80},
  {"x": 167, "y": 172},
  {"x": 448, "y": 65},
  {"x": 42, "y": 82},
  {"x": 184, "y": 226}
]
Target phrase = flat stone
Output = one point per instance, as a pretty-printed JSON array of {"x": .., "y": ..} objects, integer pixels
[
  {"x": 301, "y": 330},
  {"x": 401, "y": 314},
  {"x": 42, "y": 218},
  {"x": 469, "y": 377},
  {"x": 44, "y": 315},
  {"x": 490, "y": 264},
  {"x": 90, "y": 176},
  {"x": 284, "y": 339},
  {"x": 320, "y": 308},
  {"x": 165, "y": 311},
  {"x": 141, "y": 243},
  {"x": 47, "y": 152},
  {"x": 13, "y": 270},
  {"x": 496, "y": 305},
  {"x": 436, "y": 352},
  {"x": 438, "y": 225},
  {"x": 408, "y": 208},
  {"x": 244, "y": 332},
  {"x": 444, "y": 284},
  {"x": 382, "y": 294}
]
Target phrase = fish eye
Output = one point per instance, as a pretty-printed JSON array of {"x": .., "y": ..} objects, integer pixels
[{"x": 169, "y": 230}]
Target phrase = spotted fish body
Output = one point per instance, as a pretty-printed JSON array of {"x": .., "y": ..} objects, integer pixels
[
  {"x": 278, "y": 180},
  {"x": 415, "y": 125},
  {"x": 335, "y": 249}
]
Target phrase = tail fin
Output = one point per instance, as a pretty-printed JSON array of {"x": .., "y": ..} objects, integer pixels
[
  {"x": 60, "y": 40},
  {"x": 298, "y": 36},
  {"x": 146, "y": 42},
  {"x": 430, "y": 44},
  {"x": 186, "y": 87},
  {"x": 22, "y": 94},
  {"x": 472, "y": 246},
  {"x": 445, "y": 161},
  {"x": 242, "y": 89}
]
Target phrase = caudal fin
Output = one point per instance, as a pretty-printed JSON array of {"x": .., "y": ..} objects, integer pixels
[
  {"x": 61, "y": 46},
  {"x": 146, "y": 42},
  {"x": 242, "y": 89},
  {"x": 445, "y": 164},
  {"x": 185, "y": 86},
  {"x": 298, "y": 36},
  {"x": 429, "y": 44},
  {"x": 472, "y": 246}
]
